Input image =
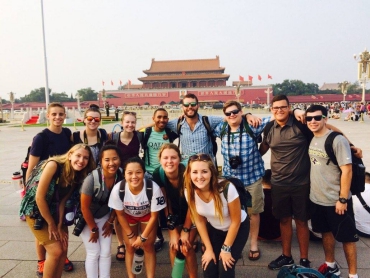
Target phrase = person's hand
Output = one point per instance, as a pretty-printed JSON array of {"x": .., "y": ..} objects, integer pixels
[
  {"x": 137, "y": 243},
  {"x": 184, "y": 237},
  {"x": 107, "y": 229},
  {"x": 174, "y": 241},
  {"x": 53, "y": 231},
  {"x": 357, "y": 152},
  {"x": 94, "y": 237},
  {"x": 207, "y": 258},
  {"x": 340, "y": 208},
  {"x": 227, "y": 260},
  {"x": 63, "y": 236},
  {"x": 300, "y": 115},
  {"x": 253, "y": 120}
]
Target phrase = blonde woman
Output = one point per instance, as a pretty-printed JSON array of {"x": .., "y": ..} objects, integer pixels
[
  {"x": 59, "y": 176},
  {"x": 221, "y": 223}
]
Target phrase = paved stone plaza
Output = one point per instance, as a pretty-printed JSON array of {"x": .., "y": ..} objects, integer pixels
[{"x": 17, "y": 252}]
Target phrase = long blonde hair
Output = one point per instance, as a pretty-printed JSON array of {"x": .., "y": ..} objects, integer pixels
[
  {"x": 215, "y": 186},
  {"x": 68, "y": 175}
]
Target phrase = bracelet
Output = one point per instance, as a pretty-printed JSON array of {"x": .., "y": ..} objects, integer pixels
[
  {"x": 131, "y": 235},
  {"x": 94, "y": 230},
  {"x": 143, "y": 239},
  {"x": 226, "y": 248},
  {"x": 109, "y": 222},
  {"x": 186, "y": 230}
]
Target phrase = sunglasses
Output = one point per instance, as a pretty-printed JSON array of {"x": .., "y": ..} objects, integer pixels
[
  {"x": 317, "y": 118},
  {"x": 234, "y": 112},
  {"x": 91, "y": 118},
  {"x": 276, "y": 108},
  {"x": 200, "y": 157},
  {"x": 129, "y": 113},
  {"x": 192, "y": 104}
]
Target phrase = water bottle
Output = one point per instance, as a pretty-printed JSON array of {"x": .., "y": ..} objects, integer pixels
[
  {"x": 178, "y": 266},
  {"x": 69, "y": 213},
  {"x": 138, "y": 262},
  {"x": 17, "y": 181}
]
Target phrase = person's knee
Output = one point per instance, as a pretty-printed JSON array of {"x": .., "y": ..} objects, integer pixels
[
  {"x": 286, "y": 221},
  {"x": 301, "y": 223}
]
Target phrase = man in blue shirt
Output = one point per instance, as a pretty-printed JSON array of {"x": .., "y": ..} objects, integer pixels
[{"x": 243, "y": 161}]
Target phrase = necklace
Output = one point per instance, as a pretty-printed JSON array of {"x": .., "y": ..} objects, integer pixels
[{"x": 204, "y": 198}]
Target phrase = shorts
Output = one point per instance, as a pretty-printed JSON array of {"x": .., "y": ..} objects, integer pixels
[
  {"x": 42, "y": 235},
  {"x": 324, "y": 219},
  {"x": 288, "y": 201},
  {"x": 258, "y": 197},
  {"x": 133, "y": 221}
]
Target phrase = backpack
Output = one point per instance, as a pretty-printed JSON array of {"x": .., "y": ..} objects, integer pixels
[
  {"x": 149, "y": 189},
  {"x": 358, "y": 168},
  {"x": 302, "y": 272},
  {"x": 207, "y": 125},
  {"x": 98, "y": 181},
  {"x": 24, "y": 165},
  {"x": 244, "y": 196}
]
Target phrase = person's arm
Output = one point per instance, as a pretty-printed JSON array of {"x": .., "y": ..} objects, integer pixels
[
  {"x": 125, "y": 226},
  {"x": 62, "y": 205},
  {"x": 345, "y": 185},
  {"x": 356, "y": 151},
  {"x": 253, "y": 120},
  {"x": 186, "y": 235},
  {"x": 235, "y": 215},
  {"x": 42, "y": 189},
  {"x": 264, "y": 147},
  {"x": 108, "y": 225},
  {"x": 153, "y": 221},
  {"x": 32, "y": 162},
  {"x": 86, "y": 201}
]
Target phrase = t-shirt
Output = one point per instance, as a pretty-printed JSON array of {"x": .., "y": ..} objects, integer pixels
[
  {"x": 130, "y": 150},
  {"x": 95, "y": 149},
  {"x": 137, "y": 205},
  {"x": 99, "y": 206},
  {"x": 325, "y": 179},
  {"x": 56, "y": 144},
  {"x": 362, "y": 216},
  {"x": 155, "y": 141},
  {"x": 208, "y": 209}
]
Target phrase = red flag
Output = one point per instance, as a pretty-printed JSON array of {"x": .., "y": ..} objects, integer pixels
[
  {"x": 269, "y": 76},
  {"x": 111, "y": 82},
  {"x": 259, "y": 77},
  {"x": 102, "y": 83},
  {"x": 129, "y": 82},
  {"x": 250, "y": 78},
  {"x": 120, "y": 82},
  {"x": 241, "y": 78}
]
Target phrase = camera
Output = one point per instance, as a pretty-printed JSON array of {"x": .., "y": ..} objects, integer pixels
[
  {"x": 235, "y": 161},
  {"x": 39, "y": 221},
  {"x": 172, "y": 221},
  {"x": 80, "y": 225}
]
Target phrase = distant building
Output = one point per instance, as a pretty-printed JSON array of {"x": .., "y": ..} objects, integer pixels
[{"x": 329, "y": 86}]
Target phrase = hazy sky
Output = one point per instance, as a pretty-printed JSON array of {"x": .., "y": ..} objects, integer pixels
[{"x": 89, "y": 41}]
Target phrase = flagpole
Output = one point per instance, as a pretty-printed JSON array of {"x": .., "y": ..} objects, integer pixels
[{"x": 45, "y": 60}]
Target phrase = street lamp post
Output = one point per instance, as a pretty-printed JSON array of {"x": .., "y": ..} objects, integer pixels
[
  {"x": 78, "y": 102},
  {"x": 11, "y": 98},
  {"x": 268, "y": 92},
  {"x": 237, "y": 92},
  {"x": 343, "y": 87},
  {"x": 363, "y": 70}
]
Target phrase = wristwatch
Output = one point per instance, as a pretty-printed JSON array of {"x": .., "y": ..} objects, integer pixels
[
  {"x": 342, "y": 200},
  {"x": 226, "y": 248},
  {"x": 186, "y": 230},
  {"x": 94, "y": 230}
]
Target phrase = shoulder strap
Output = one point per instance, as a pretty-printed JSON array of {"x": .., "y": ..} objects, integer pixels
[
  {"x": 122, "y": 189},
  {"x": 303, "y": 128},
  {"x": 104, "y": 135},
  {"x": 267, "y": 128},
  {"x": 363, "y": 203},
  {"x": 205, "y": 121},
  {"x": 97, "y": 177},
  {"x": 171, "y": 135},
  {"x": 178, "y": 129},
  {"x": 149, "y": 189},
  {"x": 329, "y": 147},
  {"x": 161, "y": 175},
  {"x": 145, "y": 137},
  {"x": 226, "y": 189},
  {"x": 116, "y": 137},
  {"x": 249, "y": 131},
  {"x": 223, "y": 130}
]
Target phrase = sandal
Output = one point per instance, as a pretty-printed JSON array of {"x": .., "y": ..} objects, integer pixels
[
  {"x": 251, "y": 256},
  {"x": 120, "y": 256}
]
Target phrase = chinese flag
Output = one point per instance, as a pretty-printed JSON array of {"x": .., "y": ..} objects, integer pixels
[
  {"x": 129, "y": 82},
  {"x": 111, "y": 82},
  {"x": 250, "y": 78},
  {"x": 241, "y": 78},
  {"x": 120, "y": 82},
  {"x": 102, "y": 83},
  {"x": 269, "y": 76},
  {"x": 259, "y": 77}
]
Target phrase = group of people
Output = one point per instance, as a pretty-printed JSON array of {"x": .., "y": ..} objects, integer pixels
[{"x": 182, "y": 181}]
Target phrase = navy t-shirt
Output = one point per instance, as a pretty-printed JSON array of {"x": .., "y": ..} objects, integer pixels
[{"x": 56, "y": 144}]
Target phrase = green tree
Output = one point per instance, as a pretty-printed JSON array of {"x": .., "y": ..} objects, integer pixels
[
  {"x": 87, "y": 94},
  {"x": 59, "y": 97},
  {"x": 36, "y": 95},
  {"x": 294, "y": 88}
]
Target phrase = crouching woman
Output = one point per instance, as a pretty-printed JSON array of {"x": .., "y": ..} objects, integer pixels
[{"x": 221, "y": 223}]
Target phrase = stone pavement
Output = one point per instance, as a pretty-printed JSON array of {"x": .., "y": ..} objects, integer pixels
[{"x": 17, "y": 255}]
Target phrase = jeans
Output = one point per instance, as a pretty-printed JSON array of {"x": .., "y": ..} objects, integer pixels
[
  {"x": 98, "y": 254},
  {"x": 217, "y": 239}
]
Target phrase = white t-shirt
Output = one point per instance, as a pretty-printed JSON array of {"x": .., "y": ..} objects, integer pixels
[
  {"x": 137, "y": 205},
  {"x": 208, "y": 209},
  {"x": 362, "y": 216}
]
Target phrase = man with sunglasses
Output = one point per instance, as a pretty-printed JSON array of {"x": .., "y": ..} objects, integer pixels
[
  {"x": 243, "y": 161},
  {"x": 332, "y": 207}
]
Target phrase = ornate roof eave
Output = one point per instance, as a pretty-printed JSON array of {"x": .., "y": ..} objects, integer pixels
[
  {"x": 220, "y": 69},
  {"x": 184, "y": 77}
]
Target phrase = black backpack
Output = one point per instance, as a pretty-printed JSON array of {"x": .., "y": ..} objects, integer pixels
[
  {"x": 24, "y": 165},
  {"x": 149, "y": 189},
  {"x": 358, "y": 168},
  {"x": 244, "y": 196}
]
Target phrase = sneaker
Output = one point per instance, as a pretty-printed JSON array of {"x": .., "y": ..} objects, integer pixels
[
  {"x": 68, "y": 265},
  {"x": 305, "y": 263},
  {"x": 40, "y": 268},
  {"x": 158, "y": 244},
  {"x": 281, "y": 261},
  {"x": 325, "y": 269}
]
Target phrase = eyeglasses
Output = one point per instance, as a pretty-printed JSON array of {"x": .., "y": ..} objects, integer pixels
[
  {"x": 234, "y": 112},
  {"x": 276, "y": 108},
  {"x": 200, "y": 157},
  {"x": 91, "y": 118},
  {"x": 192, "y": 104},
  {"x": 129, "y": 113},
  {"x": 317, "y": 118}
]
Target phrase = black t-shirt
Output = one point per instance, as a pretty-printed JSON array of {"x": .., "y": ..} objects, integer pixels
[
  {"x": 177, "y": 202},
  {"x": 50, "y": 143}
]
